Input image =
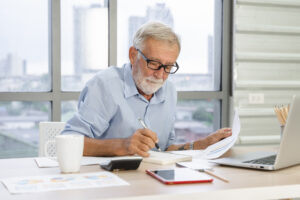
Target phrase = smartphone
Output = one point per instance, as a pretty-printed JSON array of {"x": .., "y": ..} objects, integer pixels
[{"x": 179, "y": 176}]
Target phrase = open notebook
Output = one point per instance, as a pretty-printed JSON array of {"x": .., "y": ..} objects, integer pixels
[{"x": 165, "y": 158}]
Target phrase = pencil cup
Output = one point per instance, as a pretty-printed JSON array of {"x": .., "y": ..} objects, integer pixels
[
  {"x": 69, "y": 150},
  {"x": 281, "y": 130}
]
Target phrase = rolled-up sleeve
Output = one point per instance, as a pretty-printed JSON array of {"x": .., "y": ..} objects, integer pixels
[{"x": 95, "y": 109}]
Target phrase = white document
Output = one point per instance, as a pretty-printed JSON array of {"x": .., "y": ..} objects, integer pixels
[
  {"x": 62, "y": 182},
  {"x": 197, "y": 164},
  {"x": 193, "y": 153},
  {"x": 216, "y": 150},
  {"x": 164, "y": 158},
  {"x": 86, "y": 160}
]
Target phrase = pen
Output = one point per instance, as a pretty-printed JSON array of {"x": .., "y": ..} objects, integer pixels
[
  {"x": 214, "y": 175},
  {"x": 144, "y": 125}
]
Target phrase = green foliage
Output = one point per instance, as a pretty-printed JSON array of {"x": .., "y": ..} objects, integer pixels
[{"x": 202, "y": 115}]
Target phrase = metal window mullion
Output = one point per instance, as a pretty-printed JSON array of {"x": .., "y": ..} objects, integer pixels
[
  {"x": 25, "y": 96},
  {"x": 55, "y": 59},
  {"x": 226, "y": 62},
  {"x": 196, "y": 95},
  {"x": 225, "y": 93},
  {"x": 112, "y": 33},
  {"x": 218, "y": 73},
  {"x": 69, "y": 96}
]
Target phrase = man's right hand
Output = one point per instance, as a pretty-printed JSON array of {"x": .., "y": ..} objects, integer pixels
[{"x": 141, "y": 142}]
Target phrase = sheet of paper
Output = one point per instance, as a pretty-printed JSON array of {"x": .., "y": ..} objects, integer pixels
[
  {"x": 164, "y": 158},
  {"x": 193, "y": 153},
  {"x": 86, "y": 160},
  {"x": 62, "y": 182},
  {"x": 197, "y": 164},
  {"x": 219, "y": 148}
]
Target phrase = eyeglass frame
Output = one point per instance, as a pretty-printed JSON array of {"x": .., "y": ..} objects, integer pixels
[{"x": 160, "y": 64}]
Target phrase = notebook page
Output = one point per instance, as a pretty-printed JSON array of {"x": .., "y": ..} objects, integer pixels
[{"x": 164, "y": 158}]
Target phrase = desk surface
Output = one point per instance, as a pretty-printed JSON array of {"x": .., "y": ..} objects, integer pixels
[{"x": 284, "y": 183}]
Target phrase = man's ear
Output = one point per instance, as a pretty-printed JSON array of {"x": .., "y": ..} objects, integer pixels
[{"x": 132, "y": 54}]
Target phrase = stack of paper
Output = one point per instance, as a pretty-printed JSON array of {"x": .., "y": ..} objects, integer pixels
[
  {"x": 164, "y": 158},
  {"x": 216, "y": 150}
]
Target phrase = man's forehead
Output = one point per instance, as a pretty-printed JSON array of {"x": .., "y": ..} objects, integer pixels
[
  {"x": 154, "y": 42},
  {"x": 161, "y": 52}
]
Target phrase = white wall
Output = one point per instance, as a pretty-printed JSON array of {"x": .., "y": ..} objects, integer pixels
[{"x": 266, "y": 63}]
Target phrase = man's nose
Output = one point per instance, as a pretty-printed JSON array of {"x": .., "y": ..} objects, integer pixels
[{"x": 159, "y": 73}]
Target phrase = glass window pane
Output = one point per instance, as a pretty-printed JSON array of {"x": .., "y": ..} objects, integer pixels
[
  {"x": 68, "y": 109},
  {"x": 199, "y": 25},
  {"x": 19, "y": 127},
  {"x": 24, "y": 46},
  {"x": 84, "y": 43},
  {"x": 195, "y": 119}
]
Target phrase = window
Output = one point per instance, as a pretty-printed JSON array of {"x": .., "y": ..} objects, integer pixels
[
  {"x": 196, "y": 118},
  {"x": 24, "y": 67},
  {"x": 60, "y": 45},
  {"x": 68, "y": 109},
  {"x": 200, "y": 37},
  {"x": 24, "y": 46},
  {"x": 84, "y": 41},
  {"x": 19, "y": 127}
]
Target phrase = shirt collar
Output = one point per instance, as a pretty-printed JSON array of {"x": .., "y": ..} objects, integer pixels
[{"x": 131, "y": 90}]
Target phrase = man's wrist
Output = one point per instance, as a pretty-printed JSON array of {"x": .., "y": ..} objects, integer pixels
[
  {"x": 187, "y": 146},
  {"x": 181, "y": 147},
  {"x": 191, "y": 146}
]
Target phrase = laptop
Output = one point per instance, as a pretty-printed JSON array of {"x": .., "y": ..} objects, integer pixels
[{"x": 287, "y": 154}]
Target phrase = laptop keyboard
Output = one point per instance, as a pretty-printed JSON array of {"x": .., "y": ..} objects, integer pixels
[{"x": 270, "y": 160}]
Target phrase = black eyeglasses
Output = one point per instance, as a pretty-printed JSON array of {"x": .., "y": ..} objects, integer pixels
[{"x": 155, "y": 65}]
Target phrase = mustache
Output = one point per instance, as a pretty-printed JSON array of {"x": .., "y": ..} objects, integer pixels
[{"x": 155, "y": 80}]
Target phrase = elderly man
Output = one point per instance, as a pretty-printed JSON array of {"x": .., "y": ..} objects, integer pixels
[{"x": 112, "y": 102}]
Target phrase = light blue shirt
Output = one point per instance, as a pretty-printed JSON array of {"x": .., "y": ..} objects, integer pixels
[{"x": 109, "y": 107}]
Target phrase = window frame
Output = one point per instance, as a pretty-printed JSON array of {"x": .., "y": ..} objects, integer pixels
[{"x": 56, "y": 96}]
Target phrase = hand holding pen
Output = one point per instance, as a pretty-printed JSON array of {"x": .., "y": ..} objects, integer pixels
[
  {"x": 140, "y": 142},
  {"x": 144, "y": 125}
]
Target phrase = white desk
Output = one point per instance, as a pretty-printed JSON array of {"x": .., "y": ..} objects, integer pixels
[{"x": 244, "y": 183}]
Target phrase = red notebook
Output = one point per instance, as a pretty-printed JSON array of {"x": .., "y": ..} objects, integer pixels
[{"x": 179, "y": 176}]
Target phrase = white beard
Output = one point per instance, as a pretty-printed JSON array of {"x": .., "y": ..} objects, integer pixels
[{"x": 149, "y": 85}]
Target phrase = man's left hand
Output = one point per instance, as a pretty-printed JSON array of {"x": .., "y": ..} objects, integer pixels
[{"x": 213, "y": 138}]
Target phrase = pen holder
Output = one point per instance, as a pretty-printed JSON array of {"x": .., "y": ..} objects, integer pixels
[{"x": 281, "y": 130}]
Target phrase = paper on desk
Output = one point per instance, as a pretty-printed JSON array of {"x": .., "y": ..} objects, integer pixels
[
  {"x": 86, "y": 160},
  {"x": 193, "y": 153},
  {"x": 165, "y": 158},
  {"x": 32, "y": 184},
  {"x": 216, "y": 150},
  {"x": 197, "y": 164},
  {"x": 52, "y": 162}
]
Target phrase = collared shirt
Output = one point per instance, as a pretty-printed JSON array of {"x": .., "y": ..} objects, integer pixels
[{"x": 109, "y": 107}]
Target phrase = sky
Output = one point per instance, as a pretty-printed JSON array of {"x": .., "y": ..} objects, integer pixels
[
  {"x": 26, "y": 34},
  {"x": 192, "y": 23}
]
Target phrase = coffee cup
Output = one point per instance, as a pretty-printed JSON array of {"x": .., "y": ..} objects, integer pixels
[{"x": 69, "y": 150}]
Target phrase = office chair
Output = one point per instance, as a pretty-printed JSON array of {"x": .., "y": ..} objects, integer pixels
[{"x": 47, "y": 133}]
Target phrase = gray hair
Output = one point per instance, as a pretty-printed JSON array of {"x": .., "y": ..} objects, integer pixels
[{"x": 157, "y": 31}]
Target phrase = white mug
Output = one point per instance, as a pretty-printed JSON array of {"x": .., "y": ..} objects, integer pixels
[{"x": 69, "y": 150}]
